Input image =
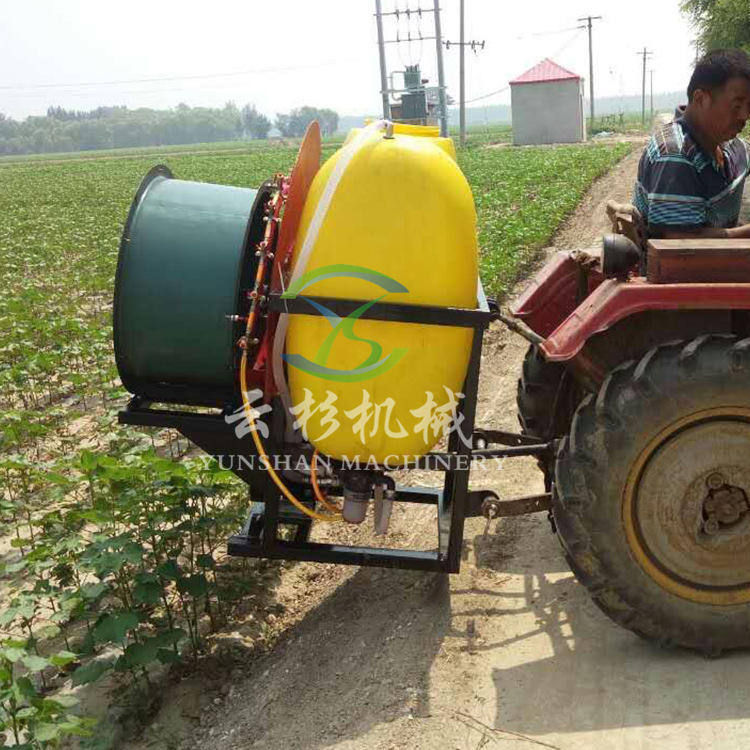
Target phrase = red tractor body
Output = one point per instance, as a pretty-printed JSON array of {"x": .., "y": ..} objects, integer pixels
[{"x": 549, "y": 306}]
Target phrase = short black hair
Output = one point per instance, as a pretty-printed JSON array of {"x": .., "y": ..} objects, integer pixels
[{"x": 717, "y": 67}]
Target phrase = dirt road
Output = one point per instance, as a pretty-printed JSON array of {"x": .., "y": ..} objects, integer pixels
[{"x": 510, "y": 653}]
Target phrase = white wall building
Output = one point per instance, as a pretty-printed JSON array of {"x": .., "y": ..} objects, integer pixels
[{"x": 547, "y": 104}]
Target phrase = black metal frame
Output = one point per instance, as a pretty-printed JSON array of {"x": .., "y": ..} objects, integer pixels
[{"x": 454, "y": 503}]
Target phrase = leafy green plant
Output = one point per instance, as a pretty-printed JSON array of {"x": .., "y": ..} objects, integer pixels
[{"x": 28, "y": 718}]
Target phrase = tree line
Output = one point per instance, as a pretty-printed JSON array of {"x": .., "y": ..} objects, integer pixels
[{"x": 119, "y": 127}]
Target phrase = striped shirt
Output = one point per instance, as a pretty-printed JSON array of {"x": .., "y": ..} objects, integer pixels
[{"x": 679, "y": 186}]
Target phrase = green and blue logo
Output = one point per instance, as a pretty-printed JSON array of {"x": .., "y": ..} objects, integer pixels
[{"x": 375, "y": 363}]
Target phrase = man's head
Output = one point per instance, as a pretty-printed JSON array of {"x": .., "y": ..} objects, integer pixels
[{"x": 719, "y": 94}]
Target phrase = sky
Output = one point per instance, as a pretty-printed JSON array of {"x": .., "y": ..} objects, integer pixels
[{"x": 80, "y": 54}]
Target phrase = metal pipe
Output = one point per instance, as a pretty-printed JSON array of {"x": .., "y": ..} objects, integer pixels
[
  {"x": 462, "y": 95},
  {"x": 441, "y": 73},
  {"x": 591, "y": 69},
  {"x": 383, "y": 72},
  {"x": 520, "y": 328}
]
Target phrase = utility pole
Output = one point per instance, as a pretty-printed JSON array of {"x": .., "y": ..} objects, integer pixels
[
  {"x": 590, "y": 20},
  {"x": 383, "y": 71},
  {"x": 462, "y": 88},
  {"x": 652, "y": 94},
  {"x": 385, "y": 89},
  {"x": 441, "y": 73},
  {"x": 463, "y": 44},
  {"x": 646, "y": 54}
]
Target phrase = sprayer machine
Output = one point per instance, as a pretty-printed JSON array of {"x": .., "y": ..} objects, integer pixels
[{"x": 326, "y": 332}]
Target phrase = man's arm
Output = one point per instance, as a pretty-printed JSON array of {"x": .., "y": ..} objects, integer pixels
[
  {"x": 711, "y": 233},
  {"x": 734, "y": 233}
]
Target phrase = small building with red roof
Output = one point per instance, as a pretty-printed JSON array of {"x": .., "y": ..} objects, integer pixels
[{"x": 548, "y": 105}]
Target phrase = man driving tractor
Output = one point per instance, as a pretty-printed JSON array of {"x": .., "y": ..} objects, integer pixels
[{"x": 692, "y": 173}]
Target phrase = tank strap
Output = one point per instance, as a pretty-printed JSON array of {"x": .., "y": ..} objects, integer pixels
[{"x": 347, "y": 154}]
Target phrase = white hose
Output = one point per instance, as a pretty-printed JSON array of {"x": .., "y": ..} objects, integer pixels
[{"x": 277, "y": 362}]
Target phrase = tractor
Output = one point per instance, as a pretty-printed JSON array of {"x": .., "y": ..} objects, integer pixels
[
  {"x": 639, "y": 372},
  {"x": 634, "y": 396}
]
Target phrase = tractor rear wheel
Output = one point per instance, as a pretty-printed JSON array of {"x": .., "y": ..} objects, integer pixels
[
  {"x": 537, "y": 389},
  {"x": 545, "y": 401},
  {"x": 651, "y": 495}
]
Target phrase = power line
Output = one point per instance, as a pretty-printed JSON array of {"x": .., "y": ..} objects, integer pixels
[
  {"x": 64, "y": 95},
  {"x": 550, "y": 33},
  {"x": 175, "y": 78},
  {"x": 559, "y": 51},
  {"x": 487, "y": 96},
  {"x": 568, "y": 42}
]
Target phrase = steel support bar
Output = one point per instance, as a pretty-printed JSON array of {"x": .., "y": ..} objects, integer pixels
[
  {"x": 425, "y": 314},
  {"x": 241, "y": 546},
  {"x": 409, "y": 12},
  {"x": 188, "y": 422},
  {"x": 416, "y": 39},
  {"x": 458, "y": 461},
  {"x": 521, "y": 506},
  {"x": 452, "y": 512},
  {"x": 138, "y": 413},
  {"x": 483, "y": 438}
]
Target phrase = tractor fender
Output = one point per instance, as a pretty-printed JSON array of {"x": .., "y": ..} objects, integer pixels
[
  {"x": 614, "y": 300},
  {"x": 550, "y": 296}
]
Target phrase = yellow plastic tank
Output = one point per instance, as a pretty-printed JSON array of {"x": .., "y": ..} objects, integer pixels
[{"x": 396, "y": 211}]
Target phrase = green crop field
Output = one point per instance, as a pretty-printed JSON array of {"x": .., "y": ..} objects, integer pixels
[
  {"x": 523, "y": 195},
  {"x": 110, "y": 547}
]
